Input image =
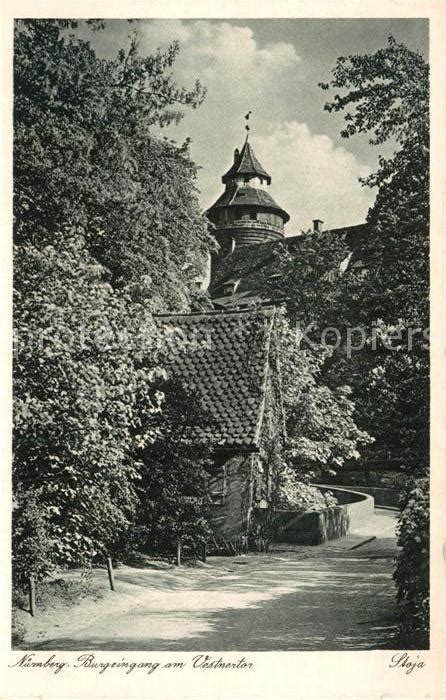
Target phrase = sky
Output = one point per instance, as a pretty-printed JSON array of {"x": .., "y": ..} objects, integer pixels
[{"x": 272, "y": 67}]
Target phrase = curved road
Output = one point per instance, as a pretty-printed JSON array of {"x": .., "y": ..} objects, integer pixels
[{"x": 294, "y": 598}]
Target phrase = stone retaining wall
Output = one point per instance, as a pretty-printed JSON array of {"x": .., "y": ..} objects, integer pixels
[
  {"x": 360, "y": 506},
  {"x": 316, "y": 527}
]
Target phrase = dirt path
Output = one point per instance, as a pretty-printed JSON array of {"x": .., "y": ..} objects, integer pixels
[{"x": 294, "y": 598}]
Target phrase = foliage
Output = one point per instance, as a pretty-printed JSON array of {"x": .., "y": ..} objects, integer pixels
[
  {"x": 107, "y": 229},
  {"x": 172, "y": 492},
  {"x": 412, "y": 571},
  {"x": 86, "y": 155},
  {"x": 31, "y": 542},
  {"x": 307, "y": 276},
  {"x": 389, "y": 94},
  {"x": 388, "y": 91},
  {"x": 77, "y": 384},
  {"x": 298, "y": 496},
  {"x": 370, "y": 289},
  {"x": 321, "y": 432}
]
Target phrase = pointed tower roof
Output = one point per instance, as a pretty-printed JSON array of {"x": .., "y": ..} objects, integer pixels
[
  {"x": 245, "y": 164},
  {"x": 236, "y": 197}
]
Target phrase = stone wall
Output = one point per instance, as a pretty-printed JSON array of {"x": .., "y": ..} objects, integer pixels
[
  {"x": 316, "y": 527},
  {"x": 246, "y": 233},
  {"x": 360, "y": 506}
]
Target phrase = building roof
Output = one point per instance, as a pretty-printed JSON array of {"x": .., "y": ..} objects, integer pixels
[
  {"x": 253, "y": 264},
  {"x": 224, "y": 358},
  {"x": 235, "y": 196},
  {"x": 245, "y": 164}
]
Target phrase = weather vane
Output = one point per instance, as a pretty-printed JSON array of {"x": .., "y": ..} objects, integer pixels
[{"x": 247, "y": 120}]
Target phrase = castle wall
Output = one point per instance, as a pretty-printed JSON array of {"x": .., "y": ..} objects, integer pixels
[
  {"x": 246, "y": 233},
  {"x": 233, "y": 214}
]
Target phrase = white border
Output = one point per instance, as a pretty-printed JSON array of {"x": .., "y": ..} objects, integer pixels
[{"x": 278, "y": 674}]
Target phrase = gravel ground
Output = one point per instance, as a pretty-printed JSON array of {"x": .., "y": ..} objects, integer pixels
[{"x": 330, "y": 597}]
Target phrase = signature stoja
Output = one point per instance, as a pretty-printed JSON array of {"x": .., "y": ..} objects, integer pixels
[{"x": 402, "y": 660}]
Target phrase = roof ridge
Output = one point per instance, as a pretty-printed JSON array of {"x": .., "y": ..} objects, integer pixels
[
  {"x": 266, "y": 371},
  {"x": 240, "y": 312}
]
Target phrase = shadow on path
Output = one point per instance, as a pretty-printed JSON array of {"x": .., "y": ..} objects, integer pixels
[{"x": 328, "y": 598}]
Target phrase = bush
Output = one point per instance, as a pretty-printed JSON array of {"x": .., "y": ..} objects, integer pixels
[
  {"x": 412, "y": 570},
  {"x": 172, "y": 491},
  {"x": 298, "y": 496},
  {"x": 32, "y": 546},
  {"x": 17, "y": 629}
]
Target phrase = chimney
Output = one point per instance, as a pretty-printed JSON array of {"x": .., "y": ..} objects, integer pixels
[
  {"x": 230, "y": 286},
  {"x": 317, "y": 225}
]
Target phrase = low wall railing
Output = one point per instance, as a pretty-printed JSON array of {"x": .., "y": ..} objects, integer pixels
[{"x": 318, "y": 526}]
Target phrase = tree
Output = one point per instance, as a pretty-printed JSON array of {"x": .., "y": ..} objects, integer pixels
[
  {"x": 107, "y": 229},
  {"x": 172, "y": 503},
  {"x": 321, "y": 431},
  {"x": 86, "y": 155},
  {"x": 412, "y": 571},
  {"x": 78, "y": 379},
  {"x": 306, "y": 275},
  {"x": 389, "y": 94},
  {"x": 376, "y": 299}
]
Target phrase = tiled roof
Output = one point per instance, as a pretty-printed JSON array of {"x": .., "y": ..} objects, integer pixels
[
  {"x": 247, "y": 164},
  {"x": 246, "y": 196},
  {"x": 252, "y": 264},
  {"x": 223, "y": 358}
]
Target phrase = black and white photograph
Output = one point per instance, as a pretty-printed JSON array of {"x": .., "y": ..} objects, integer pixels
[{"x": 221, "y": 346}]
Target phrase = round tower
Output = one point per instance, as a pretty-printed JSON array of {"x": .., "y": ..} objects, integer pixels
[{"x": 245, "y": 213}]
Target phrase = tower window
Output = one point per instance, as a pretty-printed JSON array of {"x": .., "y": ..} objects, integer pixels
[{"x": 253, "y": 215}]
